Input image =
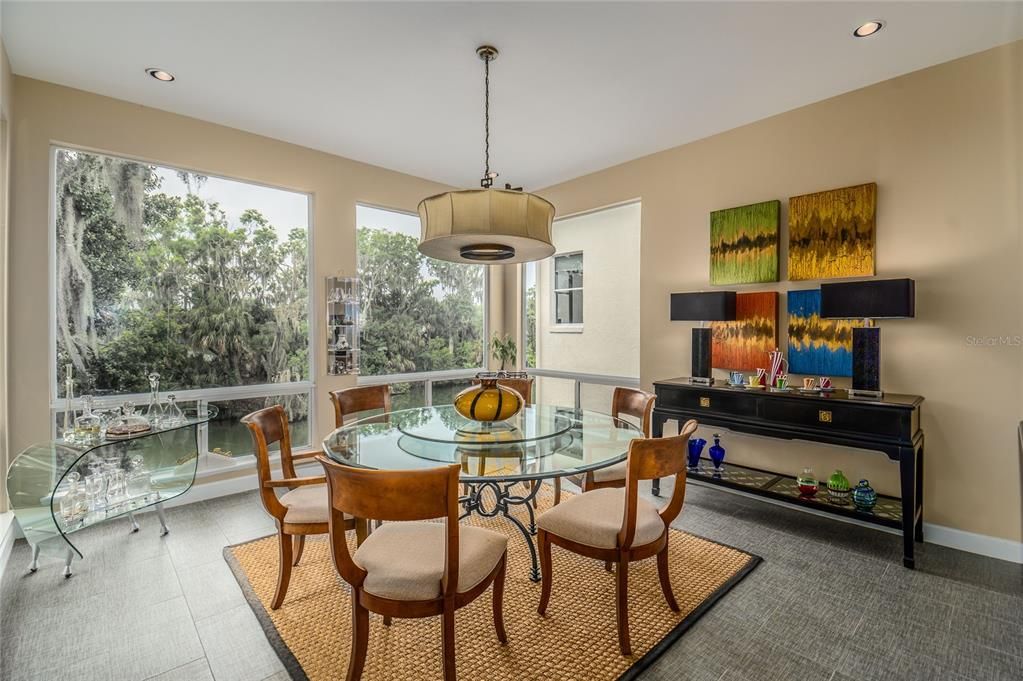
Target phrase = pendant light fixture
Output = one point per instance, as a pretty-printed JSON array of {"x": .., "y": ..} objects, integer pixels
[{"x": 486, "y": 225}]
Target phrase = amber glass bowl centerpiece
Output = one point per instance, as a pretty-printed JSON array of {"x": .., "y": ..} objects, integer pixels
[{"x": 488, "y": 401}]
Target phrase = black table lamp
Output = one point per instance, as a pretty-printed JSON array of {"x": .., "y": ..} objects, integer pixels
[
  {"x": 868, "y": 300},
  {"x": 712, "y": 306}
]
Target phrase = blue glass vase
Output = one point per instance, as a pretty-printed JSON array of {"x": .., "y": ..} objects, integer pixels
[
  {"x": 864, "y": 497},
  {"x": 717, "y": 454},
  {"x": 696, "y": 446}
]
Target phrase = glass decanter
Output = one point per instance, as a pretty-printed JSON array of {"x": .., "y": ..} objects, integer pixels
[
  {"x": 88, "y": 425},
  {"x": 154, "y": 412},
  {"x": 138, "y": 482},
  {"x": 172, "y": 415},
  {"x": 68, "y": 432},
  {"x": 74, "y": 503}
]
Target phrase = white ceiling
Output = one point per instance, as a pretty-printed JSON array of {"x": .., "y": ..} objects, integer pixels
[{"x": 578, "y": 86}]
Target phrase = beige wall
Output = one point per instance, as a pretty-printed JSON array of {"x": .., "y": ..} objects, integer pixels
[
  {"x": 608, "y": 340},
  {"x": 944, "y": 146},
  {"x": 6, "y": 110},
  {"x": 49, "y": 114}
]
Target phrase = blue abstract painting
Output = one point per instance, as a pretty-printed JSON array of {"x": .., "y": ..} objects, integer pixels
[{"x": 817, "y": 347}]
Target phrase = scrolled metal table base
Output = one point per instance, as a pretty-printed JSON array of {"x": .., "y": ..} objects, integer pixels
[{"x": 491, "y": 498}]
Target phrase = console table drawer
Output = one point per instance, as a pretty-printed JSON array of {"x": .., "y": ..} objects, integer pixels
[
  {"x": 717, "y": 401},
  {"x": 839, "y": 417}
]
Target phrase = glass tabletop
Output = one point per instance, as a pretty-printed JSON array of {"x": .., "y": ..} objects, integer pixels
[{"x": 541, "y": 441}]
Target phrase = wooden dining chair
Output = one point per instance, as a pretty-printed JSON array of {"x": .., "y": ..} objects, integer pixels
[
  {"x": 411, "y": 569},
  {"x": 304, "y": 509},
  {"x": 355, "y": 400},
  {"x": 624, "y": 402},
  {"x": 615, "y": 525}
]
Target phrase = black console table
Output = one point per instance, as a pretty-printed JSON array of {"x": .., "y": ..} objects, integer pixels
[{"x": 890, "y": 425}]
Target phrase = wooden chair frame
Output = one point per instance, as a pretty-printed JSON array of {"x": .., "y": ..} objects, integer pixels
[
  {"x": 268, "y": 426},
  {"x": 404, "y": 496},
  {"x": 648, "y": 459},
  {"x": 363, "y": 398},
  {"x": 625, "y": 402}
]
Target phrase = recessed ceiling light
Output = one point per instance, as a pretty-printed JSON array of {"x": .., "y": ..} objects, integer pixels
[
  {"x": 160, "y": 74},
  {"x": 868, "y": 29}
]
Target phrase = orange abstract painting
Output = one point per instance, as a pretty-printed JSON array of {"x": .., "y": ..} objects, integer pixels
[{"x": 744, "y": 344}]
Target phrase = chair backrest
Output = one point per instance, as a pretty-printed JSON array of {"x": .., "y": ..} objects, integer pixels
[
  {"x": 636, "y": 403},
  {"x": 354, "y": 400},
  {"x": 268, "y": 426},
  {"x": 367, "y": 494},
  {"x": 523, "y": 386},
  {"x": 649, "y": 458}
]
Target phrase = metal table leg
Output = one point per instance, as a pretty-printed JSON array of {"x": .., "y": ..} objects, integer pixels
[
  {"x": 163, "y": 519},
  {"x": 34, "y": 565},
  {"x": 501, "y": 502}
]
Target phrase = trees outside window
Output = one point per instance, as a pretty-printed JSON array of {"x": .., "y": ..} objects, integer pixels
[
  {"x": 418, "y": 314},
  {"x": 203, "y": 280}
]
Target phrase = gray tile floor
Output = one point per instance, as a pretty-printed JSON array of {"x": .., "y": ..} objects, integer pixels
[{"x": 830, "y": 602}]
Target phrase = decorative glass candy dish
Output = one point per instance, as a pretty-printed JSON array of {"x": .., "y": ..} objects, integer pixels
[{"x": 129, "y": 423}]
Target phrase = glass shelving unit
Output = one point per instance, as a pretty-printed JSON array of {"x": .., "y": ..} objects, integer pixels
[
  {"x": 42, "y": 476},
  {"x": 342, "y": 325}
]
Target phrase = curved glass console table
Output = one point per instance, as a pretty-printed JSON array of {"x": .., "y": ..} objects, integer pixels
[
  {"x": 58, "y": 488},
  {"x": 537, "y": 443}
]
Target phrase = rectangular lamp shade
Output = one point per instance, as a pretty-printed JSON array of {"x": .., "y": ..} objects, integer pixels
[
  {"x": 710, "y": 306},
  {"x": 879, "y": 299}
]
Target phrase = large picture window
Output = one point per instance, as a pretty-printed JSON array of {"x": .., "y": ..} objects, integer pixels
[
  {"x": 200, "y": 279},
  {"x": 419, "y": 315}
]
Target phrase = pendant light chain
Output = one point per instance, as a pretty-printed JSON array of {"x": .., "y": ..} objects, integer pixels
[{"x": 487, "y": 180}]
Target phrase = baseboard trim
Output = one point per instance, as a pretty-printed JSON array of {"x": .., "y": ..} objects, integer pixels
[
  {"x": 971, "y": 542},
  {"x": 8, "y": 533}
]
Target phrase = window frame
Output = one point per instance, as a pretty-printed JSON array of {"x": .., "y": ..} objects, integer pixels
[
  {"x": 201, "y": 396},
  {"x": 564, "y": 327},
  {"x": 428, "y": 377}
]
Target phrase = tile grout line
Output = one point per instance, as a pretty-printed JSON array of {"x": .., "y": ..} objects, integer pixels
[
  {"x": 167, "y": 671},
  {"x": 191, "y": 615}
]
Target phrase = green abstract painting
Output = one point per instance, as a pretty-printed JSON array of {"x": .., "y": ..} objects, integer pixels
[{"x": 744, "y": 244}]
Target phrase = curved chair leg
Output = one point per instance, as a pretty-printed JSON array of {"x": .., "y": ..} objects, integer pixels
[
  {"x": 498, "y": 588},
  {"x": 283, "y": 570},
  {"x": 622, "y": 593},
  {"x": 543, "y": 540},
  {"x": 360, "y": 638},
  {"x": 299, "y": 548},
  {"x": 448, "y": 641},
  {"x": 662, "y": 572},
  {"x": 387, "y": 620}
]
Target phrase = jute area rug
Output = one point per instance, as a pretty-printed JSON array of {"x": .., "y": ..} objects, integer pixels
[{"x": 577, "y": 639}]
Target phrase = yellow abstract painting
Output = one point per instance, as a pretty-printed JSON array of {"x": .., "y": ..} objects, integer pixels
[{"x": 831, "y": 233}]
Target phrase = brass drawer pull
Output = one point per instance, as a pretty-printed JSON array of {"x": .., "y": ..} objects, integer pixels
[
  {"x": 824, "y": 416},
  {"x": 704, "y": 401}
]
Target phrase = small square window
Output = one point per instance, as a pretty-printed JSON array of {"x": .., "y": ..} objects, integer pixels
[{"x": 568, "y": 289}]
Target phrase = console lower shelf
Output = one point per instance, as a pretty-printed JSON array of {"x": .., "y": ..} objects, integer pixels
[{"x": 887, "y": 511}]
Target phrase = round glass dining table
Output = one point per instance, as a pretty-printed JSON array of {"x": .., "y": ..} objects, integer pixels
[{"x": 540, "y": 442}]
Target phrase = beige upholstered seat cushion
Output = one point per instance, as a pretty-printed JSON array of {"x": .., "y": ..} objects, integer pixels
[
  {"x": 611, "y": 473},
  {"x": 405, "y": 561},
  {"x": 594, "y": 519},
  {"x": 307, "y": 504}
]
